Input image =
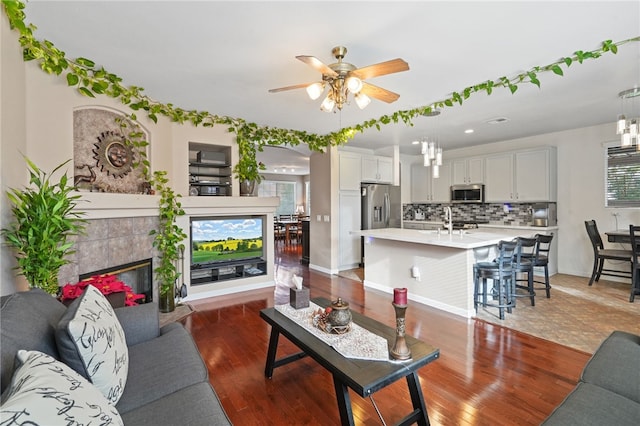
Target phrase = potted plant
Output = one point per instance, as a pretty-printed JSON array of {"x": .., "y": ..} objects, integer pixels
[
  {"x": 168, "y": 241},
  {"x": 44, "y": 219},
  {"x": 247, "y": 169}
]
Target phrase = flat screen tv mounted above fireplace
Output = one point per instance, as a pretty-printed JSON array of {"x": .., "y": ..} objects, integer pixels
[{"x": 226, "y": 247}]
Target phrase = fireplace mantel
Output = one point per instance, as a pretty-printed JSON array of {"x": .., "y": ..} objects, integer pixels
[{"x": 99, "y": 205}]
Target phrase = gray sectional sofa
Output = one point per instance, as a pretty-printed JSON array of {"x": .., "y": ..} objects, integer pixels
[
  {"x": 167, "y": 381},
  {"x": 608, "y": 392}
]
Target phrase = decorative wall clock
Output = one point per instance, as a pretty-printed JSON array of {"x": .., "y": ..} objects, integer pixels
[{"x": 113, "y": 155}]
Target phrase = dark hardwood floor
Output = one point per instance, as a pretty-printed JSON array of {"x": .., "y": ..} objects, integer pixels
[{"x": 487, "y": 374}]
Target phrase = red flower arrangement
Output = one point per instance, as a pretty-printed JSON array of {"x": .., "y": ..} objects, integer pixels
[{"x": 107, "y": 284}]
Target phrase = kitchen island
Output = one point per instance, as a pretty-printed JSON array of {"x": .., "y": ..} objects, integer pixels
[{"x": 435, "y": 267}]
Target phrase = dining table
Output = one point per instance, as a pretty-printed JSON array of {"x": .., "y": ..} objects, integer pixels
[
  {"x": 289, "y": 225},
  {"x": 619, "y": 236}
]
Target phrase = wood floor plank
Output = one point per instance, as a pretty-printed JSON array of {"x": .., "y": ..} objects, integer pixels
[{"x": 487, "y": 374}]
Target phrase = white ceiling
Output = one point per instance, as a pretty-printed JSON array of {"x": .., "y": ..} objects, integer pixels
[{"x": 224, "y": 56}]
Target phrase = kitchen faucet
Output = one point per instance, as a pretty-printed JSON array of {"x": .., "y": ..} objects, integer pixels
[{"x": 448, "y": 218}]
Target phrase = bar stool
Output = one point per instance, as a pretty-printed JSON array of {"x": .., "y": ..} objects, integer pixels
[
  {"x": 543, "y": 247},
  {"x": 523, "y": 264},
  {"x": 502, "y": 273}
]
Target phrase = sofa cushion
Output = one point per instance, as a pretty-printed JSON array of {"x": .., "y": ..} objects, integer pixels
[
  {"x": 614, "y": 365},
  {"x": 590, "y": 405},
  {"x": 195, "y": 405},
  {"x": 46, "y": 391},
  {"x": 161, "y": 366},
  {"x": 29, "y": 319},
  {"x": 92, "y": 342}
]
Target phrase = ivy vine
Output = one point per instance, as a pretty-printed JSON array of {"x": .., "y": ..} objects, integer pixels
[{"x": 90, "y": 81}]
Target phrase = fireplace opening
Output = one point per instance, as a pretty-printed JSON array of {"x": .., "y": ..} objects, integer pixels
[{"x": 137, "y": 275}]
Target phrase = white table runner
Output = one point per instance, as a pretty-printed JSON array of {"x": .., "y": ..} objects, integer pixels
[{"x": 358, "y": 343}]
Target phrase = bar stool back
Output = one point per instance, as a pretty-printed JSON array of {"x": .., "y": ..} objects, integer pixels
[
  {"x": 523, "y": 264},
  {"x": 543, "y": 247},
  {"x": 501, "y": 273}
]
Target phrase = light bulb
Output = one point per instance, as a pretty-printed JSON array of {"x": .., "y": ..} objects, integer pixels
[
  {"x": 439, "y": 157},
  {"x": 633, "y": 128},
  {"x": 425, "y": 148},
  {"x": 432, "y": 150},
  {"x": 622, "y": 124},
  {"x": 362, "y": 100},
  {"x": 626, "y": 138},
  {"x": 315, "y": 90},
  {"x": 425, "y": 160},
  {"x": 327, "y": 104},
  {"x": 436, "y": 171},
  {"x": 354, "y": 84}
]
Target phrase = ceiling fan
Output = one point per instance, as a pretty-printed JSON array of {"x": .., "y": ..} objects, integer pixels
[{"x": 344, "y": 78}]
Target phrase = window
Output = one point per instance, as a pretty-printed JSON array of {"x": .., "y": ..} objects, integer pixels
[
  {"x": 623, "y": 176},
  {"x": 285, "y": 190}
]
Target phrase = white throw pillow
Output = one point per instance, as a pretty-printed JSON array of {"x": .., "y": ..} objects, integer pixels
[
  {"x": 44, "y": 391},
  {"x": 90, "y": 340}
]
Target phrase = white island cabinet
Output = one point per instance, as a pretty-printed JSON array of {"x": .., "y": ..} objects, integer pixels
[{"x": 443, "y": 262}]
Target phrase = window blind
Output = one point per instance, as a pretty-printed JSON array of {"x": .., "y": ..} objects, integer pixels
[{"x": 623, "y": 176}]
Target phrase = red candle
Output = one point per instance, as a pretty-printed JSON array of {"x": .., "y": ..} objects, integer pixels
[{"x": 400, "y": 296}]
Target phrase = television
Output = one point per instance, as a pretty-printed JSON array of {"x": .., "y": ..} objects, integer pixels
[{"x": 226, "y": 239}]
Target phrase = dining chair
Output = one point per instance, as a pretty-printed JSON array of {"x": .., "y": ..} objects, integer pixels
[
  {"x": 634, "y": 234},
  {"x": 600, "y": 254}
]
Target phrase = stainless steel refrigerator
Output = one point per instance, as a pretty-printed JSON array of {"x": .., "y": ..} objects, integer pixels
[{"x": 381, "y": 207}]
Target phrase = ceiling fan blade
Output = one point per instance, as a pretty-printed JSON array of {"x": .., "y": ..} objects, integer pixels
[
  {"x": 317, "y": 64},
  {"x": 383, "y": 68},
  {"x": 379, "y": 93},
  {"x": 282, "y": 89}
]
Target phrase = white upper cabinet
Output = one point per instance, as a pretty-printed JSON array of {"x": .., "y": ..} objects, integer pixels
[
  {"x": 427, "y": 189},
  {"x": 522, "y": 176},
  {"x": 350, "y": 171},
  {"x": 467, "y": 170},
  {"x": 377, "y": 169}
]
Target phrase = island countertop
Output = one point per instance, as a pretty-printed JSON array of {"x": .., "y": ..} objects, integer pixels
[{"x": 465, "y": 239}]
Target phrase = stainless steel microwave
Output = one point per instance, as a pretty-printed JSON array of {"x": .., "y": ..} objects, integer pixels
[{"x": 472, "y": 193}]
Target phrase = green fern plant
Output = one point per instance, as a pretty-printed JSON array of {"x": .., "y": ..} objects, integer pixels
[{"x": 44, "y": 220}]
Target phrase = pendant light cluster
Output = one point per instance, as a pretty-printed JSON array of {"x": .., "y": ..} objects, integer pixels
[
  {"x": 628, "y": 129},
  {"x": 432, "y": 155}
]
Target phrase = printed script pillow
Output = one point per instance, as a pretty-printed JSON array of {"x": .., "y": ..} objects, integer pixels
[
  {"x": 91, "y": 341},
  {"x": 44, "y": 391}
]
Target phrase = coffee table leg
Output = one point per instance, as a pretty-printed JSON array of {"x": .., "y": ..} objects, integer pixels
[
  {"x": 344, "y": 402},
  {"x": 417, "y": 399},
  {"x": 271, "y": 352}
]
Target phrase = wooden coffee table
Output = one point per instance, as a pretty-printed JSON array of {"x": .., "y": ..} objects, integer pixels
[{"x": 362, "y": 376}]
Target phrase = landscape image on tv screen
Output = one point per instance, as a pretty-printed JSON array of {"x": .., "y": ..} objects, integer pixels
[{"x": 225, "y": 239}]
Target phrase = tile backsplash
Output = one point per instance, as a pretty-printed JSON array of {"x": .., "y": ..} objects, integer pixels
[{"x": 518, "y": 214}]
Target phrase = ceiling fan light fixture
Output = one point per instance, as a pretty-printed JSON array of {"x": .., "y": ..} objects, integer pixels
[
  {"x": 315, "y": 90},
  {"x": 354, "y": 84},
  {"x": 362, "y": 100},
  {"x": 328, "y": 104}
]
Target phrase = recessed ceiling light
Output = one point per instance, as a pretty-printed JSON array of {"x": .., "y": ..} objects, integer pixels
[
  {"x": 468, "y": 131},
  {"x": 498, "y": 120},
  {"x": 415, "y": 142}
]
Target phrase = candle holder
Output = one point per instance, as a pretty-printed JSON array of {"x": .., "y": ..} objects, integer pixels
[{"x": 400, "y": 349}]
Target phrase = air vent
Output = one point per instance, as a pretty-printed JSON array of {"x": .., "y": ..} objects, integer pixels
[{"x": 498, "y": 120}]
